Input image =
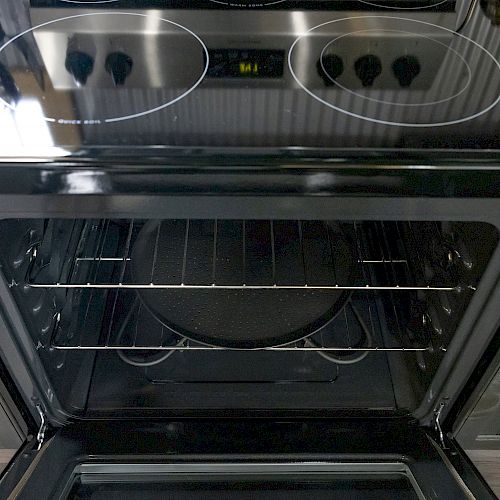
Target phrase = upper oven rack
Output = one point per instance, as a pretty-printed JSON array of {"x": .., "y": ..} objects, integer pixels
[{"x": 381, "y": 265}]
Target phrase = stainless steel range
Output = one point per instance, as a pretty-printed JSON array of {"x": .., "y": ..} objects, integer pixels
[{"x": 247, "y": 248}]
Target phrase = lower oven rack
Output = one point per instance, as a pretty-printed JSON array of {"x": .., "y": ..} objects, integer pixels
[
  {"x": 361, "y": 313},
  {"x": 381, "y": 265}
]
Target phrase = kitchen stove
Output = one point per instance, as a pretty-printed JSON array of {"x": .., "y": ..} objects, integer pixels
[
  {"x": 219, "y": 211},
  {"x": 295, "y": 75}
]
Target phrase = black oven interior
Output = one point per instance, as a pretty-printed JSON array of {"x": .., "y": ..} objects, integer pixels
[{"x": 157, "y": 317}]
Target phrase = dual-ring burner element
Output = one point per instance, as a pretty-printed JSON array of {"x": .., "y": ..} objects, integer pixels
[
  {"x": 107, "y": 22},
  {"x": 443, "y": 101}
]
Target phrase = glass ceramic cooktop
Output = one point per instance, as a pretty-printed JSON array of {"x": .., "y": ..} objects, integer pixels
[{"x": 110, "y": 74}]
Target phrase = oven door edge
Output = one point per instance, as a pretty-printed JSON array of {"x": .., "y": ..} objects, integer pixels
[{"x": 117, "y": 451}]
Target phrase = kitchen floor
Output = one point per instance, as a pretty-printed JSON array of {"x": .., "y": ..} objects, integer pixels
[
  {"x": 488, "y": 464},
  {"x": 12, "y": 434},
  {"x": 5, "y": 458},
  {"x": 480, "y": 434}
]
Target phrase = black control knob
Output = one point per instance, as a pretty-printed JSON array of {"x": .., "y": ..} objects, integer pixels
[
  {"x": 119, "y": 66},
  {"x": 367, "y": 68},
  {"x": 492, "y": 10},
  {"x": 405, "y": 69},
  {"x": 331, "y": 68},
  {"x": 9, "y": 86},
  {"x": 80, "y": 65}
]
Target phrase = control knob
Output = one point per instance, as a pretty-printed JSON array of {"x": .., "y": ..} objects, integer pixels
[
  {"x": 80, "y": 65},
  {"x": 367, "y": 68},
  {"x": 405, "y": 69},
  {"x": 331, "y": 68},
  {"x": 119, "y": 66}
]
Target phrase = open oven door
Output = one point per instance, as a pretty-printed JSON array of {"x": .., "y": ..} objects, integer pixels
[{"x": 259, "y": 459}]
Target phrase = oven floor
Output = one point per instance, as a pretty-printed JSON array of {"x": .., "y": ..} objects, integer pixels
[
  {"x": 248, "y": 380},
  {"x": 121, "y": 387}
]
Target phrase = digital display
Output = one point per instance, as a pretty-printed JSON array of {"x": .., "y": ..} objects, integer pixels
[{"x": 245, "y": 63}]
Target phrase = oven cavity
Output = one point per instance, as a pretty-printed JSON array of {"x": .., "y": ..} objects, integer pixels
[{"x": 246, "y": 314}]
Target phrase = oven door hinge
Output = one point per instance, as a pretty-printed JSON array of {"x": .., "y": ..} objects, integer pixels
[
  {"x": 42, "y": 429},
  {"x": 438, "y": 413}
]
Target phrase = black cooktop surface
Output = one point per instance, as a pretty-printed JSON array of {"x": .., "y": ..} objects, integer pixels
[{"x": 276, "y": 74}]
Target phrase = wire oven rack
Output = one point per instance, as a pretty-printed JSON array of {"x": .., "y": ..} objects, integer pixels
[
  {"x": 361, "y": 316},
  {"x": 383, "y": 251},
  {"x": 382, "y": 258}
]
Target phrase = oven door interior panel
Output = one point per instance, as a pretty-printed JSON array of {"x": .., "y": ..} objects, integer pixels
[{"x": 338, "y": 459}]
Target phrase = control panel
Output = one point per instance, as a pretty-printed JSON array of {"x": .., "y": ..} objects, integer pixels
[{"x": 173, "y": 49}]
